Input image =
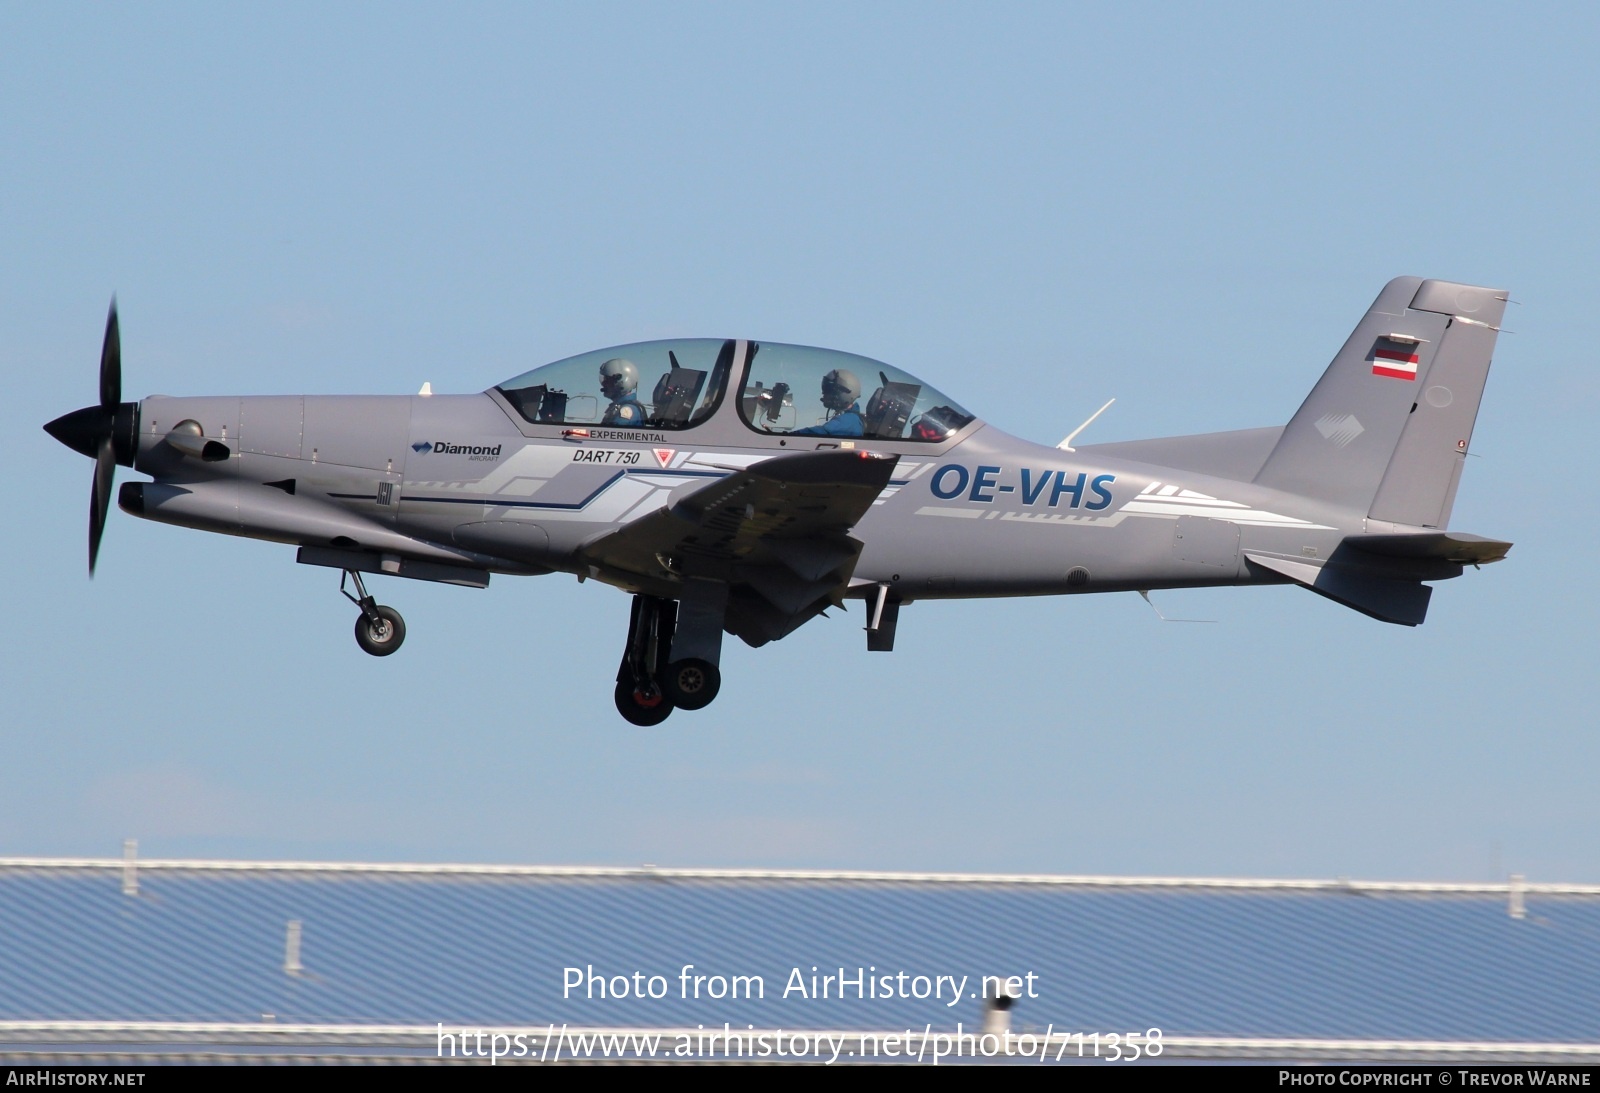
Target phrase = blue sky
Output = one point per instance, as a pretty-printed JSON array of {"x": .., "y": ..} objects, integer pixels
[{"x": 1033, "y": 207}]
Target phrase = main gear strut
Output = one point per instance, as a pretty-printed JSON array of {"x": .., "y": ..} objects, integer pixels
[{"x": 640, "y": 696}]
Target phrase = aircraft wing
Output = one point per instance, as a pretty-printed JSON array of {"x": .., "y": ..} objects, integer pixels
[{"x": 776, "y": 533}]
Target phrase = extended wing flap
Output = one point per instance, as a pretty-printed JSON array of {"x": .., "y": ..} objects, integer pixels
[{"x": 792, "y": 510}]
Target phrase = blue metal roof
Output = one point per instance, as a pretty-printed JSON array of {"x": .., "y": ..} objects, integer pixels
[{"x": 200, "y": 943}]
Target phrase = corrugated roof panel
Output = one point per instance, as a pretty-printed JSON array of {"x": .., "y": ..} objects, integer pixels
[{"x": 473, "y": 949}]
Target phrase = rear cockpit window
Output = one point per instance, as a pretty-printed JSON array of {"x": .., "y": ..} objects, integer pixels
[
  {"x": 649, "y": 385},
  {"x": 796, "y": 390}
]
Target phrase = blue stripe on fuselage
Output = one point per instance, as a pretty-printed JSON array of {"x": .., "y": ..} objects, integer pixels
[{"x": 570, "y": 506}]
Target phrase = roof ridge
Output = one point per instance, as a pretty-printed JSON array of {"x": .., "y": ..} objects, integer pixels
[{"x": 1343, "y": 884}]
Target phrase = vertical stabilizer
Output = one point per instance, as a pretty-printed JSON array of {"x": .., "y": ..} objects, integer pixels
[{"x": 1385, "y": 430}]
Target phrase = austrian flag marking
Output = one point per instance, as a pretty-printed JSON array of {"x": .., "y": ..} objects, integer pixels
[{"x": 1394, "y": 360}]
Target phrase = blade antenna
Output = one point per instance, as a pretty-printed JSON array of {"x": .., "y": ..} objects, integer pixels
[
  {"x": 1146, "y": 594},
  {"x": 1066, "y": 445}
]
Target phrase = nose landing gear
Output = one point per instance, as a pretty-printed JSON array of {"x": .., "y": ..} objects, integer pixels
[{"x": 379, "y": 629}]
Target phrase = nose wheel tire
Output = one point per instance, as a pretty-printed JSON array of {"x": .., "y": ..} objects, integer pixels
[
  {"x": 639, "y": 708},
  {"x": 691, "y": 683},
  {"x": 381, "y": 636}
]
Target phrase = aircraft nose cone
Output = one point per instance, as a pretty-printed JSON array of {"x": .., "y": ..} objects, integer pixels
[{"x": 82, "y": 430}]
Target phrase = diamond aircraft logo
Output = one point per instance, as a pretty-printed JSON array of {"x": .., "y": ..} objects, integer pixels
[
  {"x": 1341, "y": 429},
  {"x": 486, "y": 453}
]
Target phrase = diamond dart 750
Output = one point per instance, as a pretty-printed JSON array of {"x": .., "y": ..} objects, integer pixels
[{"x": 743, "y": 487}]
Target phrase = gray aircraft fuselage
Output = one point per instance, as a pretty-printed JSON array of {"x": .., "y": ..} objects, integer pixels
[
  {"x": 983, "y": 514},
  {"x": 725, "y": 511}
]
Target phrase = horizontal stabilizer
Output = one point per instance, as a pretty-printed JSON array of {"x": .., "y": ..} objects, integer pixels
[
  {"x": 1446, "y": 546},
  {"x": 1385, "y": 599},
  {"x": 1238, "y": 454}
]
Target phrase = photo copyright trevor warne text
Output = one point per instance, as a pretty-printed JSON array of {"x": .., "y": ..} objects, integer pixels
[{"x": 1436, "y": 1077}]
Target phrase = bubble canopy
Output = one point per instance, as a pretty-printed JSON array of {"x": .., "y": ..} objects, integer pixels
[
  {"x": 784, "y": 390},
  {"x": 657, "y": 385}
]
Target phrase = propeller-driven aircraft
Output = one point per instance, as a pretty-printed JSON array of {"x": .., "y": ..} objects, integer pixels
[{"x": 744, "y": 487}]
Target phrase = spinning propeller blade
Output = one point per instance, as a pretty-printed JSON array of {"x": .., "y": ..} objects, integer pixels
[
  {"x": 111, "y": 363},
  {"x": 105, "y": 468},
  {"x": 94, "y": 431}
]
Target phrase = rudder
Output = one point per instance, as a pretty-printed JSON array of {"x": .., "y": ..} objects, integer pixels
[{"x": 1419, "y": 486}]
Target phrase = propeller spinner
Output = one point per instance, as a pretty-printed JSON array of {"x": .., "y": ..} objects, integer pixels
[{"x": 104, "y": 433}]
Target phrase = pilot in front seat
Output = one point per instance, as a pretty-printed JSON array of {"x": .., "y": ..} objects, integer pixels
[
  {"x": 619, "y": 382},
  {"x": 841, "y": 392}
]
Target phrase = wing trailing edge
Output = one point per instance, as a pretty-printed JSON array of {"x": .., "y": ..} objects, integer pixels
[{"x": 777, "y": 534}]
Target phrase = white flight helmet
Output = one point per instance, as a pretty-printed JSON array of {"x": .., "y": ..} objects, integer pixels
[
  {"x": 618, "y": 376},
  {"x": 840, "y": 388}
]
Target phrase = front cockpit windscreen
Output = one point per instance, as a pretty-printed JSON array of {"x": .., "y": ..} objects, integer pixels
[
  {"x": 795, "y": 390},
  {"x": 649, "y": 385}
]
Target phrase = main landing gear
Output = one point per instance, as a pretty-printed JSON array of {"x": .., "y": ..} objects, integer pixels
[
  {"x": 379, "y": 629},
  {"x": 650, "y": 684}
]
